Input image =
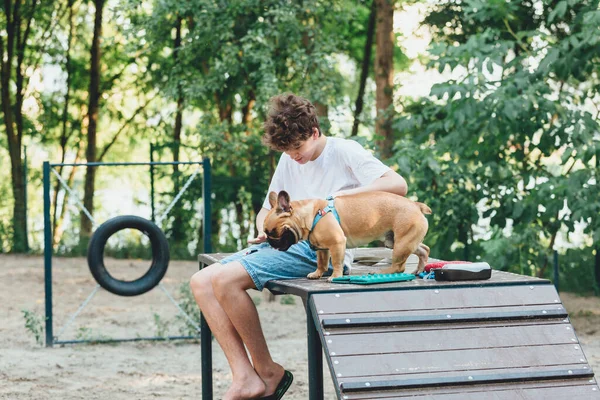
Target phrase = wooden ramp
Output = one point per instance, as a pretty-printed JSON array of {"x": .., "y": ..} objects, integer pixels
[
  {"x": 508, "y": 337},
  {"x": 441, "y": 341}
]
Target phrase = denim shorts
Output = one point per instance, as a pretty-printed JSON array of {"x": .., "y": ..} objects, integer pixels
[{"x": 264, "y": 263}]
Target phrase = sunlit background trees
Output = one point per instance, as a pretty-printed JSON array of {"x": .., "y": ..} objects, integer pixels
[{"x": 490, "y": 109}]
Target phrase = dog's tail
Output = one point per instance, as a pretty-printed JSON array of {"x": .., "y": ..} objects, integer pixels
[{"x": 424, "y": 208}]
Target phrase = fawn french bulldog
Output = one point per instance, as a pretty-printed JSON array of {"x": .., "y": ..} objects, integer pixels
[{"x": 363, "y": 217}]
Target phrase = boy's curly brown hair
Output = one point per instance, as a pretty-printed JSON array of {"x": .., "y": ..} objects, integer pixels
[{"x": 290, "y": 121}]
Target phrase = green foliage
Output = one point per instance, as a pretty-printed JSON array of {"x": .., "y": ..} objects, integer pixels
[
  {"x": 182, "y": 224},
  {"x": 510, "y": 139},
  {"x": 504, "y": 150},
  {"x": 34, "y": 324},
  {"x": 84, "y": 333},
  {"x": 287, "y": 300},
  {"x": 128, "y": 246},
  {"x": 88, "y": 334},
  {"x": 161, "y": 326},
  {"x": 240, "y": 178},
  {"x": 188, "y": 305},
  {"x": 227, "y": 62},
  {"x": 576, "y": 272}
]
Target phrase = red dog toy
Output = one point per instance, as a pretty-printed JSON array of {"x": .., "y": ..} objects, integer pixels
[{"x": 440, "y": 264}]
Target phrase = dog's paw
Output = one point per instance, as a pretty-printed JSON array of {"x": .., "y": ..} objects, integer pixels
[
  {"x": 389, "y": 270},
  {"x": 330, "y": 279},
  {"x": 314, "y": 275}
]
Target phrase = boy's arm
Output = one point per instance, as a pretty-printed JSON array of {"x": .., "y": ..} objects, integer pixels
[
  {"x": 260, "y": 221},
  {"x": 390, "y": 182}
]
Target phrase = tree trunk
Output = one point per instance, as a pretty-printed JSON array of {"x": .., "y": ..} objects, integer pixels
[
  {"x": 247, "y": 111},
  {"x": 597, "y": 268},
  {"x": 57, "y": 217},
  {"x": 364, "y": 74},
  {"x": 322, "y": 110},
  {"x": 178, "y": 230},
  {"x": 93, "y": 109},
  {"x": 20, "y": 242},
  {"x": 225, "y": 112},
  {"x": 12, "y": 53},
  {"x": 384, "y": 74}
]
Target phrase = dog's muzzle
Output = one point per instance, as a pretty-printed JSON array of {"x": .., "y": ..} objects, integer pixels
[{"x": 282, "y": 242}]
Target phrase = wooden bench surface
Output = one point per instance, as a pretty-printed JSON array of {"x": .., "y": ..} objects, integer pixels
[{"x": 370, "y": 260}]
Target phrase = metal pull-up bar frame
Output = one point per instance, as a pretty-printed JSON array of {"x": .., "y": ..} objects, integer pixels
[{"x": 48, "y": 168}]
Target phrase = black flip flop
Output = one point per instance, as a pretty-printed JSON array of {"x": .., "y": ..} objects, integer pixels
[{"x": 282, "y": 387}]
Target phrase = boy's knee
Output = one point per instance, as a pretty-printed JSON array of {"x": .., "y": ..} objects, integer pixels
[
  {"x": 231, "y": 277},
  {"x": 200, "y": 282},
  {"x": 220, "y": 283}
]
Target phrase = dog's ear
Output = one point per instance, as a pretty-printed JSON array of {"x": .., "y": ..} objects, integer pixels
[
  {"x": 273, "y": 199},
  {"x": 283, "y": 201}
]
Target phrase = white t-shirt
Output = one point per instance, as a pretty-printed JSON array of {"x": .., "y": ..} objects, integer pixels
[{"x": 343, "y": 164}]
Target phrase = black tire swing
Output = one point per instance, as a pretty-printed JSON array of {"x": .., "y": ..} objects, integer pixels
[{"x": 160, "y": 255}]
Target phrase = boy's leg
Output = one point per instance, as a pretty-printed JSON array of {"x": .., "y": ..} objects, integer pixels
[
  {"x": 220, "y": 289},
  {"x": 246, "y": 382},
  {"x": 230, "y": 287}
]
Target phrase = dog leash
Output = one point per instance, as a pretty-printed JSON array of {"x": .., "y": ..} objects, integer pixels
[{"x": 330, "y": 208}]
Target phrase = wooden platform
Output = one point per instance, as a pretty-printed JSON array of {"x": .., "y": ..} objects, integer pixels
[
  {"x": 371, "y": 260},
  {"x": 508, "y": 337}
]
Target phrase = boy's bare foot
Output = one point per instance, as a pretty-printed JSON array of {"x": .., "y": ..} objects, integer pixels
[{"x": 250, "y": 387}]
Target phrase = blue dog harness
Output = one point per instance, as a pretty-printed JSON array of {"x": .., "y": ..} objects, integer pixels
[{"x": 330, "y": 208}]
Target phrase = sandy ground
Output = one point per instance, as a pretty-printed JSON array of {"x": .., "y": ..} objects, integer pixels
[{"x": 151, "y": 370}]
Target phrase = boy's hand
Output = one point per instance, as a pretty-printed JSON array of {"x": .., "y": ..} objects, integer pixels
[{"x": 262, "y": 237}]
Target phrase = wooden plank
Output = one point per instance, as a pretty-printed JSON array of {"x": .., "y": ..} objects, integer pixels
[
  {"x": 464, "y": 380},
  {"x": 458, "y": 373},
  {"x": 451, "y": 360},
  {"x": 394, "y": 300},
  {"x": 409, "y": 313},
  {"x": 449, "y": 339},
  {"x": 433, "y": 327},
  {"x": 454, "y": 318},
  {"x": 534, "y": 391}
]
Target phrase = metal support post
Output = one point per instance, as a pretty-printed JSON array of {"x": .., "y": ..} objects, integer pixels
[
  {"x": 47, "y": 255},
  {"x": 315, "y": 357},
  {"x": 206, "y": 195}
]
